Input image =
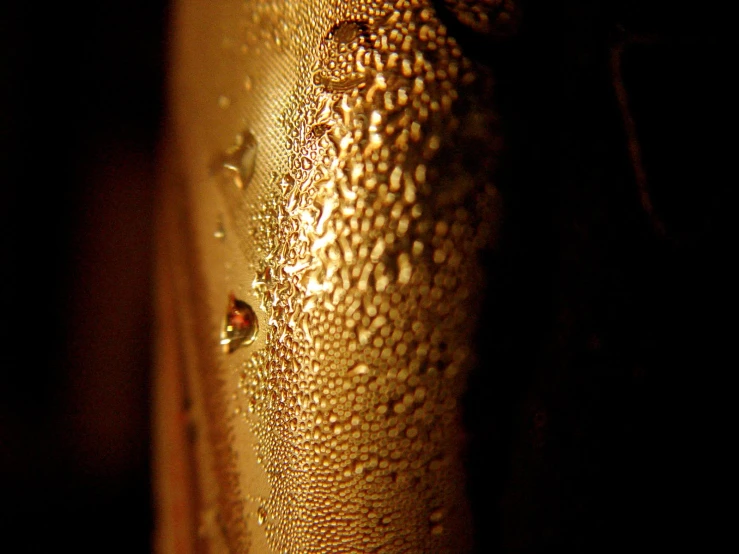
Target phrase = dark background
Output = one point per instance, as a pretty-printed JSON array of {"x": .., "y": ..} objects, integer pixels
[
  {"x": 81, "y": 102},
  {"x": 601, "y": 414},
  {"x": 600, "y": 418}
]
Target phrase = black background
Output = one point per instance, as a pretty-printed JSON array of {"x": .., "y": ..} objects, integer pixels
[
  {"x": 600, "y": 418},
  {"x": 600, "y": 415},
  {"x": 81, "y": 106}
]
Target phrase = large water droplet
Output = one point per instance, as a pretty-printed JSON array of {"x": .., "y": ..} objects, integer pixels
[
  {"x": 240, "y": 325},
  {"x": 344, "y": 32},
  {"x": 241, "y": 158},
  {"x": 341, "y": 68}
]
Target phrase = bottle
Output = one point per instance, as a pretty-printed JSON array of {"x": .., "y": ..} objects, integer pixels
[{"x": 328, "y": 185}]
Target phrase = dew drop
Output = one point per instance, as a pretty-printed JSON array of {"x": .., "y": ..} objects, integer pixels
[
  {"x": 346, "y": 31},
  {"x": 436, "y": 516},
  {"x": 340, "y": 68},
  {"x": 240, "y": 325},
  {"x": 220, "y": 232},
  {"x": 261, "y": 515},
  {"x": 359, "y": 369},
  {"x": 240, "y": 159}
]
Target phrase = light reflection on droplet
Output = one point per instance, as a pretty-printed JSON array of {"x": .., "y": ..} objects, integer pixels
[
  {"x": 240, "y": 325},
  {"x": 240, "y": 159}
]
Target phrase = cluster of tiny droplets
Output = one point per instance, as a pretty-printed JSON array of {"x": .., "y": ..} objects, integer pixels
[{"x": 368, "y": 277}]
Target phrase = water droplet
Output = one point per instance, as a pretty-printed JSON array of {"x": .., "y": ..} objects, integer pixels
[
  {"x": 261, "y": 515},
  {"x": 241, "y": 158},
  {"x": 359, "y": 369},
  {"x": 240, "y": 325},
  {"x": 224, "y": 102},
  {"x": 220, "y": 232},
  {"x": 436, "y": 516},
  {"x": 341, "y": 68}
]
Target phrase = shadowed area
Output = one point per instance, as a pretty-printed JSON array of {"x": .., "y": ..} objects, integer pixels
[{"x": 81, "y": 104}]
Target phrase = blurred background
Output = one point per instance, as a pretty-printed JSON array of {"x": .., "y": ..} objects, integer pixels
[
  {"x": 81, "y": 104},
  {"x": 601, "y": 418}
]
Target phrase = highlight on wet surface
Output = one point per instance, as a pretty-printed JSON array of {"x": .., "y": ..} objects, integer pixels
[
  {"x": 365, "y": 260},
  {"x": 360, "y": 233}
]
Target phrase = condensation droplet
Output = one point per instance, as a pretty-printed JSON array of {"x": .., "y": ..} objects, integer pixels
[
  {"x": 359, "y": 369},
  {"x": 224, "y": 102},
  {"x": 340, "y": 68},
  {"x": 240, "y": 325},
  {"x": 436, "y": 516},
  {"x": 240, "y": 159},
  {"x": 261, "y": 515},
  {"x": 220, "y": 232}
]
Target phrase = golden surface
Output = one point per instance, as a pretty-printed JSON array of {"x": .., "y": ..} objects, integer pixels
[{"x": 336, "y": 164}]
